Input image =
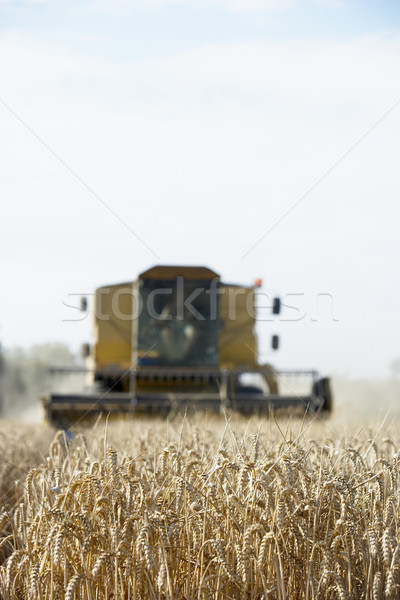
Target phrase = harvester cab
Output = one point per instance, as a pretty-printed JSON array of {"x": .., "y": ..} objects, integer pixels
[{"x": 178, "y": 337}]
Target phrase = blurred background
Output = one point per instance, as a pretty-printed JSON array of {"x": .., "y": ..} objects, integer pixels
[{"x": 257, "y": 137}]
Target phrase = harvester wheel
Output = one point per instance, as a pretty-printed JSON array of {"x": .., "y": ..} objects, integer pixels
[{"x": 322, "y": 389}]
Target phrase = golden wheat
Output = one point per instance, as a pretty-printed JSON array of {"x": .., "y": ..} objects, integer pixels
[{"x": 190, "y": 511}]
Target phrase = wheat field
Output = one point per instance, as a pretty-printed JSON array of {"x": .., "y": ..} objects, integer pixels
[{"x": 201, "y": 508}]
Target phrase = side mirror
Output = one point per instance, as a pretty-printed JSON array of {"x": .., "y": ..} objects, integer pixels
[
  {"x": 275, "y": 342},
  {"x": 84, "y": 304},
  {"x": 276, "y": 306},
  {"x": 85, "y": 350}
]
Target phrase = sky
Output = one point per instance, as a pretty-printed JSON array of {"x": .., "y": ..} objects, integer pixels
[{"x": 260, "y": 138}]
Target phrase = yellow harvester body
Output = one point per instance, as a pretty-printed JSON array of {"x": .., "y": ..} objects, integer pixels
[
  {"x": 176, "y": 336},
  {"x": 114, "y": 319}
]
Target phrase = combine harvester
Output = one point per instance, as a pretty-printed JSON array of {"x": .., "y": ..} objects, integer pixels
[{"x": 178, "y": 338}]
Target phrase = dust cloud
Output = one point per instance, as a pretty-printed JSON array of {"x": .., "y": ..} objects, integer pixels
[
  {"x": 366, "y": 399},
  {"x": 24, "y": 378}
]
